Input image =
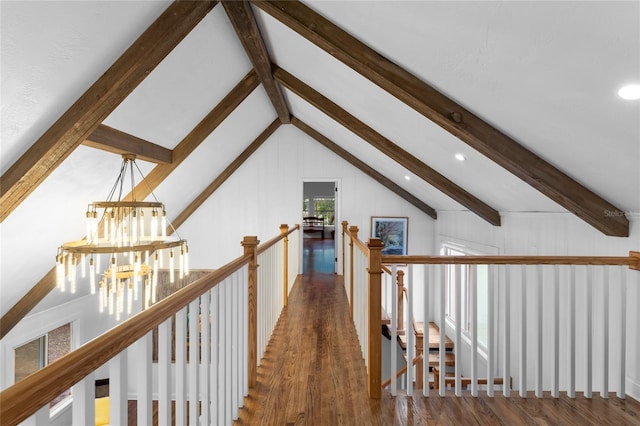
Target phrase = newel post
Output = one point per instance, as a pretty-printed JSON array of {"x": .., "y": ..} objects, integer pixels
[
  {"x": 250, "y": 244},
  {"x": 284, "y": 230},
  {"x": 635, "y": 255},
  {"x": 375, "y": 317},
  {"x": 353, "y": 232}
]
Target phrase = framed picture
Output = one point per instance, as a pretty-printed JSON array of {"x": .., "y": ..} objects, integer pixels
[{"x": 393, "y": 233}]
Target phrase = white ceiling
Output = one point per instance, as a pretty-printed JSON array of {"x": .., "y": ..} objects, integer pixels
[{"x": 545, "y": 73}]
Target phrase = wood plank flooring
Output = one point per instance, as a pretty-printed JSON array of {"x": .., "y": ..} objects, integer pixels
[{"x": 313, "y": 374}]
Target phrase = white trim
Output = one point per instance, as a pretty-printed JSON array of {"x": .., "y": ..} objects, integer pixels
[
  {"x": 337, "y": 218},
  {"x": 34, "y": 326},
  {"x": 633, "y": 389}
]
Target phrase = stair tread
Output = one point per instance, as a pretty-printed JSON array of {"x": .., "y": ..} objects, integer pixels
[{"x": 434, "y": 337}]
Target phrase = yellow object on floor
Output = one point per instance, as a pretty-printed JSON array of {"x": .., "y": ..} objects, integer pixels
[{"x": 102, "y": 411}]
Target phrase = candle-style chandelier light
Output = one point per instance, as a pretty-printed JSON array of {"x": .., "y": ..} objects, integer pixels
[{"x": 126, "y": 245}]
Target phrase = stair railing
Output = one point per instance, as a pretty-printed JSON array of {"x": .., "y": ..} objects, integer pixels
[
  {"x": 527, "y": 284},
  {"x": 523, "y": 304},
  {"x": 217, "y": 319}
]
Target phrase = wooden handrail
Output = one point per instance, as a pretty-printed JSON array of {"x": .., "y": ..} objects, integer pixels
[
  {"x": 512, "y": 260},
  {"x": 402, "y": 371},
  {"x": 268, "y": 244},
  {"x": 25, "y": 397}
]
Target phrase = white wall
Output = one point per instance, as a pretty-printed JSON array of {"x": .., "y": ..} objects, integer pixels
[{"x": 266, "y": 192}]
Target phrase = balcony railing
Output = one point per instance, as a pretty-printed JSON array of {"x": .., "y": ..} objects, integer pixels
[
  {"x": 222, "y": 323},
  {"x": 555, "y": 323}
]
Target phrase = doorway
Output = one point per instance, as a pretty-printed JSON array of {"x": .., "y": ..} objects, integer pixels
[{"x": 321, "y": 232}]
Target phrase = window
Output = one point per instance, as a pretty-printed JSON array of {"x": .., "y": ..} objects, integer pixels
[
  {"x": 323, "y": 207},
  {"x": 38, "y": 353},
  {"x": 482, "y": 280}
]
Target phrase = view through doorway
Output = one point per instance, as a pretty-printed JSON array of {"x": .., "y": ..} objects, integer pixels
[{"x": 319, "y": 226}]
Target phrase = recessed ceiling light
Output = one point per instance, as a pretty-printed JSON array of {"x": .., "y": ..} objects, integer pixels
[
  {"x": 460, "y": 157},
  {"x": 630, "y": 92},
  {"x": 407, "y": 177}
]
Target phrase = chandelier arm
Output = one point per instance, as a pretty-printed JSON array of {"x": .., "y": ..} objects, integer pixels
[
  {"x": 154, "y": 197},
  {"x": 133, "y": 182}
]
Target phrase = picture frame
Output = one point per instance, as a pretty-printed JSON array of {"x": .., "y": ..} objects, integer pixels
[{"x": 393, "y": 231}]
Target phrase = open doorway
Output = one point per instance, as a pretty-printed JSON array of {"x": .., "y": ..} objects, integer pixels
[{"x": 320, "y": 226}]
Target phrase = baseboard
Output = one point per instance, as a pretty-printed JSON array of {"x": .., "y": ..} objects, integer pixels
[{"x": 633, "y": 389}]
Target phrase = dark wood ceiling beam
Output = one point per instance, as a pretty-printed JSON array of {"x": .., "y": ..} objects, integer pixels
[
  {"x": 113, "y": 140},
  {"x": 77, "y": 123},
  {"x": 365, "y": 168},
  {"x": 226, "y": 173},
  {"x": 451, "y": 116},
  {"x": 244, "y": 22},
  {"x": 142, "y": 190},
  {"x": 387, "y": 147}
]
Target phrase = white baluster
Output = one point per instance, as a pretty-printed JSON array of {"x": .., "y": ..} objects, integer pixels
[
  {"x": 458, "y": 343},
  {"x": 473, "y": 301},
  {"x": 118, "y": 404},
  {"x": 492, "y": 272},
  {"x": 506, "y": 389},
  {"x": 539, "y": 317},
  {"x": 589, "y": 327},
  {"x": 83, "y": 407},
  {"x": 605, "y": 361},
  {"x": 228, "y": 331},
  {"x": 214, "y": 376},
  {"x": 181, "y": 367},
  {"x": 222, "y": 344},
  {"x": 555, "y": 392},
  {"x": 164, "y": 372},
  {"x": 523, "y": 331},
  {"x": 621, "y": 393},
  {"x": 441, "y": 348},
  {"x": 194, "y": 361},
  {"x": 425, "y": 332},
  {"x": 410, "y": 331},
  {"x": 142, "y": 350},
  {"x": 235, "y": 333},
  {"x": 571, "y": 392},
  {"x": 205, "y": 337}
]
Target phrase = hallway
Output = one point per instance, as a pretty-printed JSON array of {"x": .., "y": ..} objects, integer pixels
[{"x": 312, "y": 373}]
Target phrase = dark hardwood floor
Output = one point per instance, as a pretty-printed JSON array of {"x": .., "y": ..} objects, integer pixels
[{"x": 313, "y": 374}]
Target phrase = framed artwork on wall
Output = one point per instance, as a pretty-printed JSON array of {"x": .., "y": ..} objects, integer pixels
[{"x": 393, "y": 233}]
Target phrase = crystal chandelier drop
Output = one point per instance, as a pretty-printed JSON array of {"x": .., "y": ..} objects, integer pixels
[{"x": 126, "y": 244}]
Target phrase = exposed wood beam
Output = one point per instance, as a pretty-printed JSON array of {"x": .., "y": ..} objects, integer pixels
[
  {"x": 451, "y": 116},
  {"x": 226, "y": 173},
  {"x": 365, "y": 168},
  {"x": 244, "y": 22},
  {"x": 113, "y": 140},
  {"x": 143, "y": 189},
  {"x": 27, "y": 302},
  {"x": 387, "y": 147},
  {"x": 82, "y": 118}
]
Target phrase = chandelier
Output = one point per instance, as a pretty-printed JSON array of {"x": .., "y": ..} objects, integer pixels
[{"x": 126, "y": 245}]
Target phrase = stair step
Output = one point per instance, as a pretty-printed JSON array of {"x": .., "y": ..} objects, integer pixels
[
  {"x": 434, "y": 337},
  {"x": 449, "y": 359}
]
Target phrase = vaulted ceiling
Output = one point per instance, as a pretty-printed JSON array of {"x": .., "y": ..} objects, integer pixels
[{"x": 526, "y": 91}]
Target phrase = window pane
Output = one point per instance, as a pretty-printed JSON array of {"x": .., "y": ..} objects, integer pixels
[
  {"x": 29, "y": 358},
  {"x": 324, "y": 207},
  {"x": 42, "y": 351},
  {"x": 59, "y": 344}
]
